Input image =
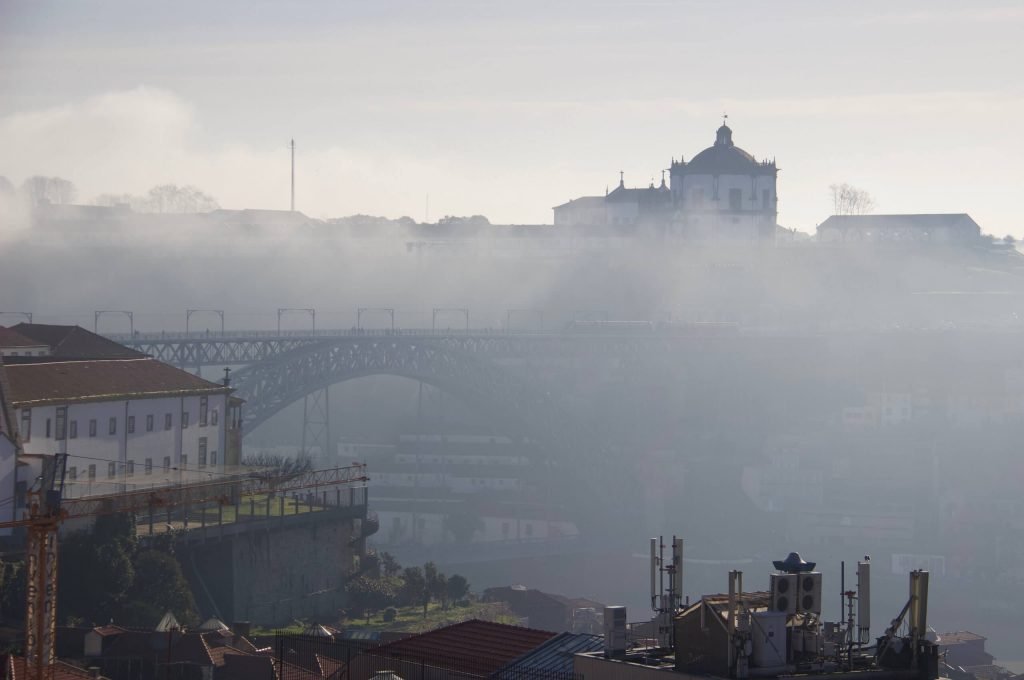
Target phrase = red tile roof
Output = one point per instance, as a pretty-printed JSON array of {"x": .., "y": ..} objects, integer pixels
[
  {"x": 57, "y": 382},
  {"x": 476, "y": 647},
  {"x": 61, "y": 671},
  {"x": 74, "y": 342},
  {"x": 12, "y": 338},
  {"x": 110, "y": 629}
]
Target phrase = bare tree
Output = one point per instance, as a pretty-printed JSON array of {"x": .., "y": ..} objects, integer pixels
[
  {"x": 849, "y": 200},
  {"x": 170, "y": 198},
  {"x": 54, "y": 190}
]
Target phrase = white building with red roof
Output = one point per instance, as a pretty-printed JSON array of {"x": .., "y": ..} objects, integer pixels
[{"x": 124, "y": 420}]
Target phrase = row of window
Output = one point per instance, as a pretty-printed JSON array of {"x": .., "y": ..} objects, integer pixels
[
  {"x": 65, "y": 429},
  {"x": 129, "y": 467}
]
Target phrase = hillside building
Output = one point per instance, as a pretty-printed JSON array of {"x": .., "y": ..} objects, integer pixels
[
  {"x": 124, "y": 420},
  {"x": 722, "y": 193},
  {"x": 949, "y": 229}
]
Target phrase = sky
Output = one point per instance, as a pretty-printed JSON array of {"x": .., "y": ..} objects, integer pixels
[{"x": 403, "y": 107}]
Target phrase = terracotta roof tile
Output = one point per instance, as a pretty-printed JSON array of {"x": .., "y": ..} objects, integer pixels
[
  {"x": 75, "y": 381},
  {"x": 61, "y": 671},
  {"x": 476, "y": 647},
  {"x": 74, "y": 342},
  {"x": 12, "y": 338}
]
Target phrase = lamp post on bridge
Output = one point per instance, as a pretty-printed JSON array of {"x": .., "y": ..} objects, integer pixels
[
  {"x": 281, "y": 311},
  {"x": 384, "y": 310},
  {"x": 218, "y": 312},
  {"x": 539, "y": 313},
  {"x": 98, "y": 313},
  {"x": 444, "y": 310},
  {"x": 27, "y": 315}
]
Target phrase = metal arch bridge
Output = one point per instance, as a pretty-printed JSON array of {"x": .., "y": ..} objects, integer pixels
[
  {"x": 234, "y": 348},
  {"x": 283, "y": 367}
]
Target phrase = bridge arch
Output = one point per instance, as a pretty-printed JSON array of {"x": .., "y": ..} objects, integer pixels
[{"x": 270, "y": 386}]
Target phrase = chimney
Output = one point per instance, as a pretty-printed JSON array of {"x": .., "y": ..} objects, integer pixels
[{"x": 241, "y": 628}]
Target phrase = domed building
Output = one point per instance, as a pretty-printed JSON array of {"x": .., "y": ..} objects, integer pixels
[{"x": 724, "y": 192}]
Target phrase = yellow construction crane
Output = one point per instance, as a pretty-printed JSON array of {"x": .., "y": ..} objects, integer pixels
[{"x": 47, "y": 510}]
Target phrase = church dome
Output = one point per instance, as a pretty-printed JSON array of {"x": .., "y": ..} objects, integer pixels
[{"x": 725, "y": 158}]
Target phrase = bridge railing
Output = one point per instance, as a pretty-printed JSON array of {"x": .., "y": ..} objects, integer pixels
[{"x": 170, "y": 336}]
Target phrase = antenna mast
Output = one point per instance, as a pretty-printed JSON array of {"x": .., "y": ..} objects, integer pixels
[{"x": 293, "y": 174}]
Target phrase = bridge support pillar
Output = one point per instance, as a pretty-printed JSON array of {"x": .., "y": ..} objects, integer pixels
[{"x": 316, "y": 422}]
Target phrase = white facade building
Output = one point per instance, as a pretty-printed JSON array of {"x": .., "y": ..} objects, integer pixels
[
  {"x": 14, "y": 344},
  {"x": 722, "y": 193},
  {"x": 124, "y": 424},
  {"x": 725, "y": 193},
  {"x": 431, "y": 489}
]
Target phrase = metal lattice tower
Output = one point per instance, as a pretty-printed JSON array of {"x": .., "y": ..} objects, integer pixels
[{"x": 316, "y": 422}]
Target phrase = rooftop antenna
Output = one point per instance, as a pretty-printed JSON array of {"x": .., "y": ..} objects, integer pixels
[
  {"x": 622, "y": 178},
  {"x": 292, "y": 145},
  {"x": 725, "y": 118}
]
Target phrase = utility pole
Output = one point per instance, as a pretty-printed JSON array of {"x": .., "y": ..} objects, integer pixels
[{"x": 293, "y": 174}]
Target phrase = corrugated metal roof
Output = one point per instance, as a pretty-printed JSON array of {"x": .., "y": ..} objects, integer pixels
[
  {"x": 555, "y": 655},
  {"x": 56, "y": 382}
]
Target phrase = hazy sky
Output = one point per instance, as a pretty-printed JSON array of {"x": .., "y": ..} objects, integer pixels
[{"x": 509, "y": 108}]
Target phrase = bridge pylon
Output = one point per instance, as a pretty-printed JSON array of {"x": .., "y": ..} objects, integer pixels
[{"x": 316, "y": 422}]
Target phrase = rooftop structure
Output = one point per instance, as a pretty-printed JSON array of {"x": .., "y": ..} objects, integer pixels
[
  {"x": 74, "y": 342},
  {"x": 957, "y": 228}
]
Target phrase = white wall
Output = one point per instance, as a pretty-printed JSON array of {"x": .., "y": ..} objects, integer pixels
[
  {"x": 129, "y": 451},
  {"x": 32, "y": 351}
]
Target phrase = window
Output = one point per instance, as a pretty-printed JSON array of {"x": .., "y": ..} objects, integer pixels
[
  {"x": 92, "y": 427},
  {"x": 204, "y": 407},
  {"x": 92, "y": 472},
  {"x": 26, "y": 424},
  {"x": 184, "y": 462},
  {"x": 72, "y": 473},
  {"x": 529, "y": 529},
  {"x": 202, "y": 452},
  {"x": 213, "y": 459},
  {"x": 167, "y": 463},
  {"x": 111, "y": 469},
  {"x": 112, "y": 428},
  {"x": 168, "y": 421},
  {"x": 47, "y": 428},
  {"x": 766, "y": 198},
  {"x": 215, "y": 417},
  {"x": 130, "y": 468},
  {"x": 184, "y": 419},
  {"x": 73, "y": 429},
  {"x": 131, "y": 425},
  {"x": 735, "y": 199},
  {"x": 149, "y": 423},
  {"x": 149, "y": 466}
]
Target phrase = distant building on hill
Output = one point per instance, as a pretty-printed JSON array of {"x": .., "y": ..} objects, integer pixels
[
  {"x": 954, "y": 229},
  {"x": 722, "y": 193}
]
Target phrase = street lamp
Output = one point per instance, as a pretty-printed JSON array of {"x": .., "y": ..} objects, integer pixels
[
  {"x": 218, "y": 312},
  {"x": 444, "y": 310},
  {"x": 97, "y": 314},
  {"x": 281, "y": 311},
  {"x": 383, "y": 310}
]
